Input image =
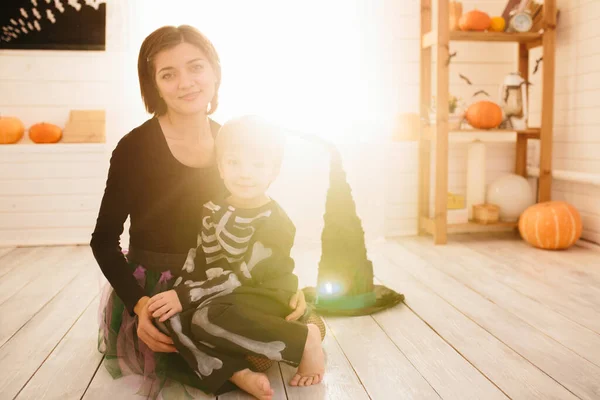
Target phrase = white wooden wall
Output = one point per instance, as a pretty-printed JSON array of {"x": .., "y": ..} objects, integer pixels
[
  {"x": 576, "y": 107},
  {"x": 49, "y": 194},
  {"x": 49, "y": 197},
  {"x": 42, "y": 205}
]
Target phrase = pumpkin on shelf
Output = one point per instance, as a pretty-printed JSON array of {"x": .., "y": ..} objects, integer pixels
[
  {"x": 474, "y": 20},
  {"x": 11, "y": 130},
  {"x": 45, "y": 133},
  {"x": 498, "y": 24},
  {"x": 552, "y": 225},
  {"x": 484, "y": 114}
]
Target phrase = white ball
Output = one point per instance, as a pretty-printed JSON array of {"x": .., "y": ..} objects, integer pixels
[{"x": 512, "y": 194}]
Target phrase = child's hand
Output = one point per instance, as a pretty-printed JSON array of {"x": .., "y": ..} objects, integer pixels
[{"x": 164, "y": 305}]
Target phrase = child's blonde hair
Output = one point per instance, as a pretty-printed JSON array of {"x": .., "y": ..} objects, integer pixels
[{"x": 251, "y": 132}]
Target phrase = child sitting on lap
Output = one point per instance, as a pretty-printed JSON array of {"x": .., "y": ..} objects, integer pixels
[{"x": 233, "y": 294}]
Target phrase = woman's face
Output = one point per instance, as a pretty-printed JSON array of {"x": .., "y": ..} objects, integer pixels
[{"x": 185, "y": 79}]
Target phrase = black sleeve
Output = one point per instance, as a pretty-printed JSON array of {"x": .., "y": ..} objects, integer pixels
[
  {"x": 270, "y": 252},
  {"x": 105, "y": 242}
]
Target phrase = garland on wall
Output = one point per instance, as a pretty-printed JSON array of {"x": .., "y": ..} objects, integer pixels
[{"x": 53, "y": 24}]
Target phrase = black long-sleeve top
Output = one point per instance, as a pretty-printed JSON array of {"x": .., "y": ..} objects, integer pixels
[{"x": 163, "y": 198}]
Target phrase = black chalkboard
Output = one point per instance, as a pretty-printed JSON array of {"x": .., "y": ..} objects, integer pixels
[{"x": 53, "y": 24}]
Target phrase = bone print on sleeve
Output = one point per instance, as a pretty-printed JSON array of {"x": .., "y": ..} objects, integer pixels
[{"x": 268, "y": 260}]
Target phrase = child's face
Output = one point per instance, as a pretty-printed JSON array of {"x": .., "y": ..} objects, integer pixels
[{"x": 247, "y": 173}]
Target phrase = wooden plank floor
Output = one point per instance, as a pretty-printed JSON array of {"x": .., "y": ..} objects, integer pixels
[{"x": 485, "y": 317}]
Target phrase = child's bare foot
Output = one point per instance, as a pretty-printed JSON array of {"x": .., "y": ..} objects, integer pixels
[
  {"x": 255, "y": 383},
  {"x": 312, "y": 366}
]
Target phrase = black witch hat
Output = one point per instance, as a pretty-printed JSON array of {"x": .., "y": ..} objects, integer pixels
[{"x": 345, "y": 279}]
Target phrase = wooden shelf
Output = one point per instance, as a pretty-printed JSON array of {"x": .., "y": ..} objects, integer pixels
[
  {"x": 474, "y": 227},
  {"x": 495, "y": 36},
  {"x": 53, "y": 148},
  {"x": 434, "y": 139},
  {"x": 485, "y": 135},
  {"x": 530, "y": 132},
  {"x": 430, "y": 38},
  {"x": 470, "y": 227},
  {"x": 492, "y": 135}
]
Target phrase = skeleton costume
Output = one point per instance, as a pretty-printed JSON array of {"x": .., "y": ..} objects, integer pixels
[{"x": 235, "y": 287}]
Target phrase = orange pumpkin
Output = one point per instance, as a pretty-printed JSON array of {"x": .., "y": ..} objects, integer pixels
[
  {"x": 484, "y": 115},
  {"x": 45, "y": 133},
  {"x": 552, "y": 225},
  {"x": 474, "y": 20},
  {"x": 11, "y": 130}
]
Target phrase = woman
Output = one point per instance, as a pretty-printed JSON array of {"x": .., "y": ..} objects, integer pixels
[{"x": 161, "y": 173}]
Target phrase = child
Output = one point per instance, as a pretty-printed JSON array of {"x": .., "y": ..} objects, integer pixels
[{"x": 233, "y": 294}]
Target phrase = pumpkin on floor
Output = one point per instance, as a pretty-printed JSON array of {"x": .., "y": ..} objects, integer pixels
[
  {"x": 474, "y": 20},
  {"x": 552, "y": 225},
  {"x": 484, "y": 114},
  {"x": 45, "y": 133},
  {"x": 11, "y": 130}
]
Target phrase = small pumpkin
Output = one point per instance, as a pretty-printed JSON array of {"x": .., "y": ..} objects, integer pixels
[
  {"x": 498, "y": 24},
  {"x": 552, "y": 225},
  {"x": 474, "y": 20},
  {"x": 45, "y": 133},
  {"x": 11, "y": 130},
  {"x": 484, "y": 115}
]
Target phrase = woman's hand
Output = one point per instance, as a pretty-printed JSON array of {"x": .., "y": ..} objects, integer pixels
[
  {"x": 164, "y": 305},
  {"x": 298, "y": 304},
  {"x": 148, "y": 333}
]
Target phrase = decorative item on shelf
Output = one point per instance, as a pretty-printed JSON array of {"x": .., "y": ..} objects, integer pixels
[
  {"x": 510, "y": 6},
  {"x": 475, "y": 175},
  {"x": 45, "y": 133},
  {"x": 486, "y": 213},
  {"x": 512, "y": 193},
  {"x": 455, "y": 9},
  {"x": 520, "y": 18},
  {"x": 513, "y": 100},
  {"x": 456, "y": 210},
  {"x": 536, "y": 9},
  {"x": 484, "y": 114},
  {"x": 11, "y": 130},
  {"x": 498, "y": 24},
  {"x": 455, "y": 113},
  {"x": 552, "y": 225},
  {"x": 474, "y": 20},
  {"x": 455, "y": 201},
  {"x": 85, "y": 126}
]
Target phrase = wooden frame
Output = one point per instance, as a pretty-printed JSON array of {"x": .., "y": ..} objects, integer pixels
[{"x": 433, "y": 140}]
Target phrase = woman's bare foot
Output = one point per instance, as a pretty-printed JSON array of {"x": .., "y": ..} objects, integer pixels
[
  {"x": 255, "y": 383},
  {"x": 312, "y": 366}
]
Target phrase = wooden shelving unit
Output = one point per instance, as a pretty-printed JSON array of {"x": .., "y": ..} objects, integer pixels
[
  {"x": 434, "y": 139},
  {"x": 461, "y": 135}
]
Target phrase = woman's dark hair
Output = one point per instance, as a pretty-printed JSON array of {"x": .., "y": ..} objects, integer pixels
[{"x": 165, "y": 38}]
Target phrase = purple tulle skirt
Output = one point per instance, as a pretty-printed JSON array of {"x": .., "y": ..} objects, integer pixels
[{"x": 166, "y": 374}]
